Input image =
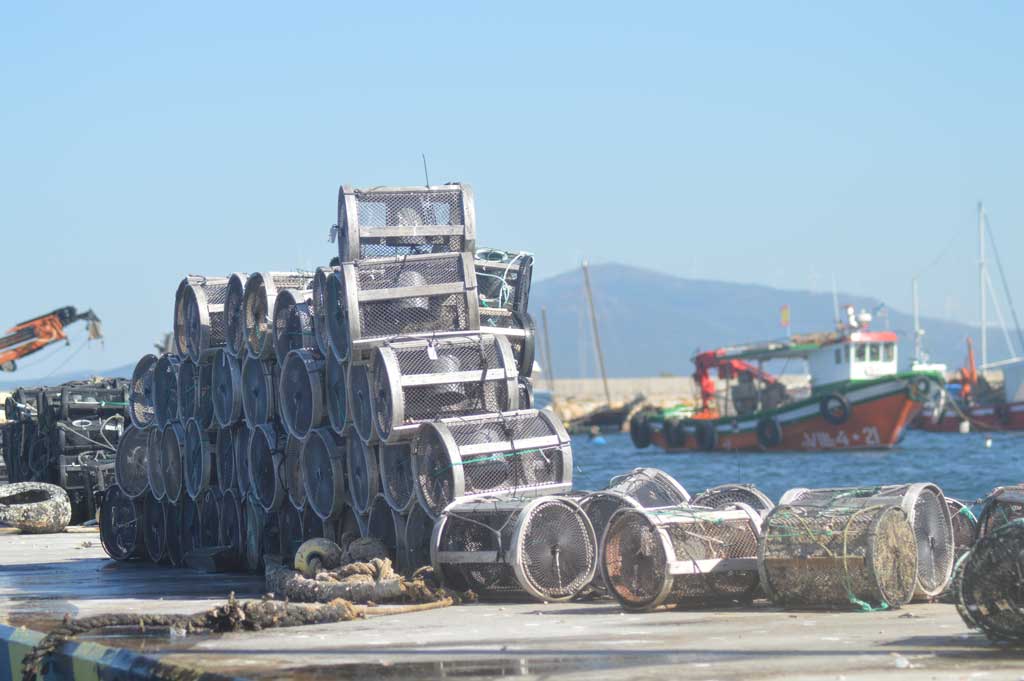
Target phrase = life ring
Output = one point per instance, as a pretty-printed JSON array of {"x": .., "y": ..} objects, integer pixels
[
  {"x": 675, "y": 435},
  {"x": 705, "y": 435},
  {"x": 769, "y": 433},
  {"x": 640, "y": 430},
  {"x": 920, "y": 388},
  {"x": 835, "y": 409}
]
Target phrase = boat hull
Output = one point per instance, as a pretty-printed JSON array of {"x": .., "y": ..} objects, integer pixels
[
  {"x": 982, "y": 418},
  {"x": 877, "y": 417}
]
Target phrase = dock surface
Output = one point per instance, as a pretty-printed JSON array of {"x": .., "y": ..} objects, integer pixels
[{"x": 44, "y": 577}]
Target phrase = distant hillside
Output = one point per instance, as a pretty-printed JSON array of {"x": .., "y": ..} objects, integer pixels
[{"x": 652, "y": 323}]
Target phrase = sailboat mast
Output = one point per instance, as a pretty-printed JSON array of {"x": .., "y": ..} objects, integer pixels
[
  {"x": 981, "y": 285},
  {"x": 597, "y": 338},
  {"x": 547, "y": 351},
  {"x": 917, "y": 325}
]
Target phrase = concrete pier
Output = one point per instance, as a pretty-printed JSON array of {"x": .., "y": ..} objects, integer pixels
[{"x": 44, "y": 577}]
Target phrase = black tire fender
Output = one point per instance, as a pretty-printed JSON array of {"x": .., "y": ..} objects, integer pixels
[
  {"x": 706, "y": 435},
  {"x": 675, "y": 434},
  {"x": 640, "y": 430},
  {"x": 835, "y": 409},
  {"x": 769, "y": 432}
]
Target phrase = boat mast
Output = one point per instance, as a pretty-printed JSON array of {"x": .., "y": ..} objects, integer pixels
[
  {"x": 547, "y": 351},
  {"x": 597, "y": 338},
  {"x": 917, "y": 325},
  {"x": 981, "y": 284}
]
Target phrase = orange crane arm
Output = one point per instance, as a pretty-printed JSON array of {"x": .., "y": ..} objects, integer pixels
[{"x": 37, "y": 333}]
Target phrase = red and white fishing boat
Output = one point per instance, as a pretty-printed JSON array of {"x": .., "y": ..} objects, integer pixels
[{"x": 858, "y": 399}]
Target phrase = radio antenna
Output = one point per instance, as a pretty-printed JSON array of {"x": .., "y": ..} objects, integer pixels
[{"x": 426, "y": 176}]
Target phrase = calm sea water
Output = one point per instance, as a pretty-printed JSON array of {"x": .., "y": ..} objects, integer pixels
[{"x": 960, "y": 464}]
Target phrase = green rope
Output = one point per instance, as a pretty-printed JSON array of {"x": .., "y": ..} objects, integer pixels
[{"x": 482, "y": 459}]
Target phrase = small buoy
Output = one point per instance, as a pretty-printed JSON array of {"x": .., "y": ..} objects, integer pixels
[
  {"x": 315, "y": 555},
  {"x": 988, "y": 443},
  {"x": 599, "y": 440},
  {"x": 965, "y": 427}
]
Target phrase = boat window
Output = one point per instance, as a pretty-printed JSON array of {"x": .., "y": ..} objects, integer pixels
[
  {"x": 846, "y": 353},
  {"x": 876, "y": 352},
  {"x": 861, "y": 352},
  {"x": 839, "y": 356},
  {"x": 889, "y": 352}
]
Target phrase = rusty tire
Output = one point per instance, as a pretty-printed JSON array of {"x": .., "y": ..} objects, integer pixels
[{"x": 35, "y": 507}]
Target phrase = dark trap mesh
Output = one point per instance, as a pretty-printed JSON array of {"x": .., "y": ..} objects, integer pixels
[
  {"x": 1001, "y": 506},
  {"x": 301, "y": 394},
  {"x": 293, "y": 322},
  {"x": 154, "y": 464},
  {"x": 292, "y": 473},
  {"x": 323, "y": 465},
  {"x": 425, "y": 379},
  {"x": 130, "y": 462},
  {"x": 838, "y": 557},
  {"x": 681, "y": 556},
  {"x": 242, "y": 436},
  {"x": 522, "y": 454},
  {"x": 122, "y": 525},
  {"x": 544, "y": 548},
  {"x": 141, "y": 395},
  {"x": 404, "y": 296},
  {"x": 965, "y": 526},
  {"x": 165, "y": 383},
  {"x": 172, "y": 446},
  {"x": 225, "y": 446},
  {"x": 188, "y": 389},
  {"x": 266, "y": 462},
  {"x": 393, "y": 221},
  {"x": 199, "y": 464},
  {"x": 154, "y": 516},
  {"x": 990, "y": 588},
  {"x": 260, "y": 296},
  {"x": 518, "y": 329},
  {"x": 396, "y": 476},
  {"x": 360, "y": 400},
  {"x": 504, "y": 279},
  {"x": 231, "y": 528},
  {"x": 380, "y": 524},
  {"x": 234, "y": 314},
  {"x": 318, "y": 307},
  {"x": 199, "y": 321},
  {"x": 726, "y": 495},
  {"x": 226, "y": 391},
  {"x": 363, "y": 474},
  {"x": 336, "y": 395},
  {"x": 259, "y": 390},
  {"x": 640, "y": 488}
]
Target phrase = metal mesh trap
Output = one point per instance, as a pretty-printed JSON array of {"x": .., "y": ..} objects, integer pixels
[
  {"x": 259, "y": 390},
  {"x": 419, "y": 528},
  {"x": 336, "y": 395},
  {"x": 121, "y": 525},
  {"x": 242, "y": 436},
  {"x": 360, "y": 401},
  {"x": 199, "y": 321},
  {"x": 155, "y": 528},
  {"x": 518, "y": 453},
  {"x": 430, "y": 378},
  {"x": 141, "y": 405},
  {"x": 130, "y": 462},
  {"x": 506, "y": 548},
  {"x": 363, "y": 474},
  {"x": 926, "y": 509},
  {"x": 838, "y": 557},
  {"x": 165, "y": 384},
  {"x": 154, "y": 464},
  {"x": 640, "y": 488},
  {"x": 381, "y": 525},
  {"x": 226, "y": 391},
  {"x": 965, "y": 526},
  {"x": 518, "y": 329},
  {"x": 261, "y": 290},
  {"x": 396, "y": 477},
  {"x": 188, "y": 388},
  {"x": 1001, "y": 506},
  {"x": 321, "y": 279},
  {"x": 292, "y": 473},
  {"x": 990, "y": 594},
  {"x": 199, "y": 464},
  {"x": 225, "y": 447},
  {"x": 504, "y": 278},
  {"x": 403, "y": 296},
  {"x": 231, "y": 527},
  {"x": 726, "y": 495},
  {"x": 293, "y": 322},
  {"x": 301, "y": 392},
  {"x": 172, "y": 446},
  {"x": 395, "y": 221},
  {"x": 266, "y": 461},
  {"x": 323, "y": 471},
  {"x": 234, "y": 315},
  {"x": 681, "y": 556}
]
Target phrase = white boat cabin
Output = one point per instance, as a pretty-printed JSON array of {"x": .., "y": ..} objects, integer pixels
[{"x": 860, "y": 356}]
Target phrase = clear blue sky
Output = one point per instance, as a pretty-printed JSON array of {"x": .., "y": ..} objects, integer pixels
[{"x": 776, "y": 143}]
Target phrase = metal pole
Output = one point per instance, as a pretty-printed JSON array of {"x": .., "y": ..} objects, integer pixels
[
  {"x": 550, "y": 370},
  {"x": 981, "y": 285},
  {"x": 917, "y": 325},
  {"x": 597, "y": 338}
]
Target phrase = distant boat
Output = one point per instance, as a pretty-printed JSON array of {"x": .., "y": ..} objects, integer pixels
[{"x": 858, "y": 400}]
